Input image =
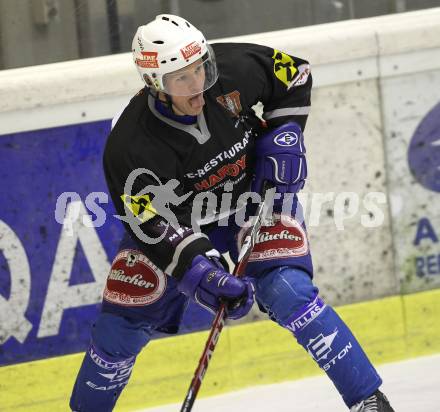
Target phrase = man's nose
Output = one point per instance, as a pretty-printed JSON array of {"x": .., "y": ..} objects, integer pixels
[{"x": 196, "y": 84}]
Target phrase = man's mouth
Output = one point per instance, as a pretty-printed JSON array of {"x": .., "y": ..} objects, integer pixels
[{"x": 197, "y": 101}]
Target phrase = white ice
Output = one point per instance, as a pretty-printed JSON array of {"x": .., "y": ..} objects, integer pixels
[{"x": 411, "y": 386}]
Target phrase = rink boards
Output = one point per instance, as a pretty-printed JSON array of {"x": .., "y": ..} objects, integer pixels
[
  {"x": 372, "y": 209},
  {"x": 250, "y": 354}
]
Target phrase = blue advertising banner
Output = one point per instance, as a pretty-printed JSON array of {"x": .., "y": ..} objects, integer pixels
[
  {"x": 424, "y": 164},
  {"x": 52, "y": 272}
]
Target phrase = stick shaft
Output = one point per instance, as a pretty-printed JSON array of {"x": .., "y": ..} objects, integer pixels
[
  {"x": 220, "y": 317},
  {"x": 216, "y": 328}
]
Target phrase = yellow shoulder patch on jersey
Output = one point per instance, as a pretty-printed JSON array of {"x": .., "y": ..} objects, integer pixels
[
  {"x": 283, "y": 67},
  {"x": 140, "y": 206}
]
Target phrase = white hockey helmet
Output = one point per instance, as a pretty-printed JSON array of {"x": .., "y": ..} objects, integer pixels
[{"x": 164, "y": 48}]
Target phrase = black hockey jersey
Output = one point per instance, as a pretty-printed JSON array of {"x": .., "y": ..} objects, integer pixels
[{"x": 166, "y": 178}]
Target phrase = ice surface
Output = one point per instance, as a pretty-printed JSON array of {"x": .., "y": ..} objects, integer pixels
[{"x": 411, "y": 386}]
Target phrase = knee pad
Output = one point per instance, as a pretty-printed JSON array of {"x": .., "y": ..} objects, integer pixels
[
  {"x": 108, "y": 363},
  {"x": 284, "y": 291},
  {"x": 120, "y": 337}
]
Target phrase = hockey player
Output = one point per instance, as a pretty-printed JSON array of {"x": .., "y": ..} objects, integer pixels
[{"x": 192, "y": 129}]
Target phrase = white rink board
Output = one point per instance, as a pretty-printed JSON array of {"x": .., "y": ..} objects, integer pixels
[
  {"x": 374, "y": 81},
  {"x": 346, "y": 163},
  {"x": 407, "y": 100},
  {"x": 411, "y": 386},
  {"x": 359, "y": 68}
]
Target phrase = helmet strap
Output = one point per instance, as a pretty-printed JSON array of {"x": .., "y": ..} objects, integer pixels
[{"x": 169, "y": 103}]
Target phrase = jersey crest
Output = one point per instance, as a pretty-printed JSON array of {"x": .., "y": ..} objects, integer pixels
[{"x": 231, "y": 102}]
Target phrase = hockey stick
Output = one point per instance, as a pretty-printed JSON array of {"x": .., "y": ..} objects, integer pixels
[{"x": 220, "y": 317}]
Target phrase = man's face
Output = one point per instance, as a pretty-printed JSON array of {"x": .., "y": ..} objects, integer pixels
[{"x": 186, "y": 89}]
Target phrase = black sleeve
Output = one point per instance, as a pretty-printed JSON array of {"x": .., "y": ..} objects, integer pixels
[
  {"x": 281, "y": 82},
  {"x": 145, "y": 207}
]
